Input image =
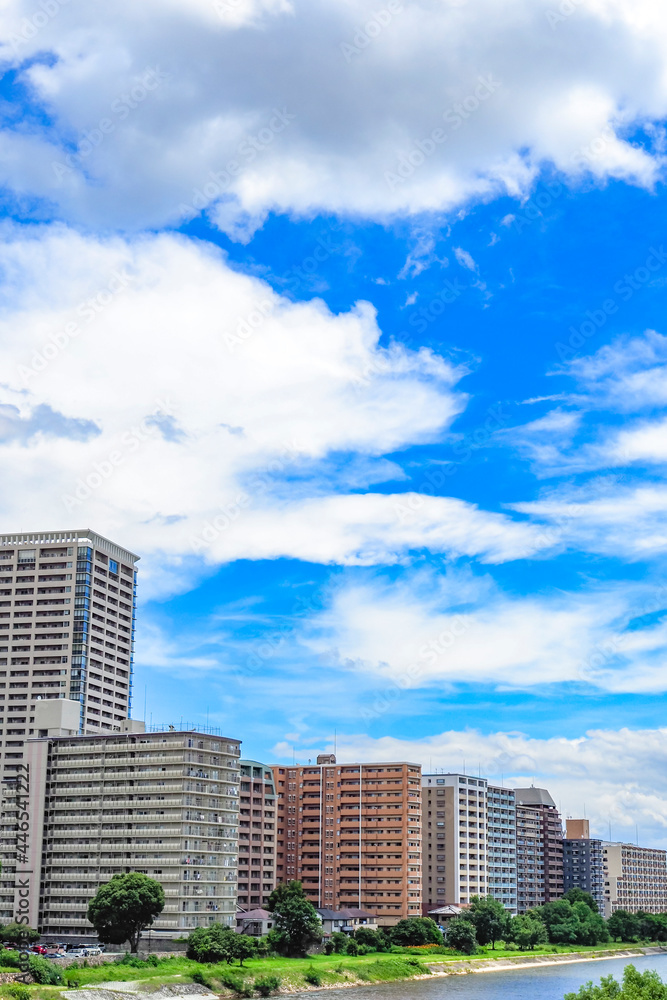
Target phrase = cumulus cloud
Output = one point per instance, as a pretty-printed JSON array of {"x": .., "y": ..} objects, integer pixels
[
  {"x": 156, "y": 113},
  {"x": 614, "y": 777},
  {"x": 424, "y": 631},
  {"x": 229, "y": 422}
]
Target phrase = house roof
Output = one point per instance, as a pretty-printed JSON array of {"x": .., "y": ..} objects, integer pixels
[
  {"x": 258, "y": 914},
  {"x": 447, "y": 911},
  {"x": 352, "y": 913}
]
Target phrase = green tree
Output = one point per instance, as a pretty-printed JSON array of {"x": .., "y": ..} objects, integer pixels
[
  {"x": 576, "y": 895},
  {"x": 121, "y": 908},
  {"x": 461, "y": 936},
  {"x": 636, "y": 986},
  {"x": 489, "y": 917},
  {"x": 623, "y": 926},
  {"x": 296, "y": 921},
  {"x": 339, "y": 942},
  {"x": 244, "y": 947},
  {"x": 572, "y": 924},
  {"x": 527, "y": 931},
  {"x": 415, "y": 931},
  {"x": 213, "y": 944},
  {"x": 16, "y": 933},
  {"x": 284, "y": 891}
]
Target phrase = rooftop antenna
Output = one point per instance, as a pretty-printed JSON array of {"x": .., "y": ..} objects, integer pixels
[
  {"x": 464, "y": 765},
  {"x": 610, "y": 828},
  {"x": 207, "y": 716},
  {"x": 144, "y": 702},
  {"x": 637, "y": 834},
  {"x": 335, "y": 742}
]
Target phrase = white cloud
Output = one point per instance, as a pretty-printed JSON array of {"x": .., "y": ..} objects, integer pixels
[
  {"x": 607, "y": 517},
  {"x": 426, "y": 630},
  {"x": 292, "y": 107},
  {"x": 611, "y": 776},
  {"x": 464, "y": 258},
  {"x": 193, "y": 410}
]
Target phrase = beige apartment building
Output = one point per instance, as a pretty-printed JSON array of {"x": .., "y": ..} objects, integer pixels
[
  {"x": 635, "y": 878},
  {"x": 351, "y": 833},
  {"x": 163, "y": 803},
  {"x": 257, "y": 834},
  {"x": 454, "y": 858}
]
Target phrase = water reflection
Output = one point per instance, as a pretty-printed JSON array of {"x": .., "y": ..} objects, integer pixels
[{"x": 546, "y": 983}]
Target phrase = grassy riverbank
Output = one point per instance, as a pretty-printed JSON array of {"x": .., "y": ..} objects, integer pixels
[{"x": 318, "y": 971}]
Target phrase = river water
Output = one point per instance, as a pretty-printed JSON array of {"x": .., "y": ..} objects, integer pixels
[{"x": 549, "y": 982}]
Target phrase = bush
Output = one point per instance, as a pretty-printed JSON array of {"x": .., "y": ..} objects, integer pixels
[
  {"x": 461, "y": 936},
  {"x": 313, "y": 977},
  {"x": 328, "y": 947},
  {"x": 339, "y": 942},
  {"x": 352, "y": 947},
  {"x": 10, "y": 959},
  {"x": 199, "y": 977},
  {"x": 152, "y": 960},
  {"x": 266, "y": 985},
  {"x": 44, "y": 972},
  {"x": 19, "y": 991},
  {"x": 364, "y": 949}
]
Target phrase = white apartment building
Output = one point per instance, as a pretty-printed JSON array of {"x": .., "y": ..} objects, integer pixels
[
  {"x": 67, "y": 615},
  {"x": 454, "y": 851},
  {"x": 501, "y": 845},
  {"x": 163, "y": 803},
  {"x": 635, "y": 878}
]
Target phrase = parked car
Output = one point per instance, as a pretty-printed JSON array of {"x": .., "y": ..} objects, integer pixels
[
  {"x": 38, "y": 949},
  {"x": 94, "y": 949},
  {"x": 77, "y": 953}
]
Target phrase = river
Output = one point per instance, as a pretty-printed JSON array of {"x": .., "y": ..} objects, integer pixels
[{"x": 549, "y": 982}]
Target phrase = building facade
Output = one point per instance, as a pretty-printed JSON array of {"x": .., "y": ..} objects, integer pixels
[
  {"x": 257, "y": 834},
  {"x": 454, "y": 858},
  {"x": 583, "y": 861},
  {"x": 351, "y": 833},
  {"x": 163, "y": 803},
  {"x": 539, "y": 848},
  {"x": 501, "y": 846},
  {"x": 67, "y": 615},
  {"x": 635, "y": 878}
]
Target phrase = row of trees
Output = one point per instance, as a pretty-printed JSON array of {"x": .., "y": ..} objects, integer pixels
[{"x": 573, "y": 919}]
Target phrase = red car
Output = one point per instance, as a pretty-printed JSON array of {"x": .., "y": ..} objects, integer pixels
[{"x": 39, "y": 949}]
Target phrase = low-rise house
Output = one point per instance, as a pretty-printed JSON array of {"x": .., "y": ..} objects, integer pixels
[
  {"x": 345, "y": 921},
  {"x": 254, "y": 923}
]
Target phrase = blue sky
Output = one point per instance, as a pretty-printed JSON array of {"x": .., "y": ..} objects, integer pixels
[{"x": 356, "y": 334}]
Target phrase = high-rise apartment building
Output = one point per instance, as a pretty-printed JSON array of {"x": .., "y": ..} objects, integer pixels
[
  {"x": 454, "y": 852},
  {"x": 351, "y": 833},
  {"x": 583, "y": 865},
  {"x": 539, "y": 848},
  {"x": 635, "y": 878},
  {"x": 257, "y": 834},
  {"x": 67, "y": 613},
  {"x": 163, "y": 803},
  {"x": 501, "y": 845}
]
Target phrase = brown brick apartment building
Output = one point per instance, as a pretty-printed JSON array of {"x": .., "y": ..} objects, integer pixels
[
  {"x": 351, "y": 833},
  {"x": 539, "y": 848}
]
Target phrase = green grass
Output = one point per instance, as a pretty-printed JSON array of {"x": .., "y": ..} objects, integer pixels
[{"x": 333, "y": 969}]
